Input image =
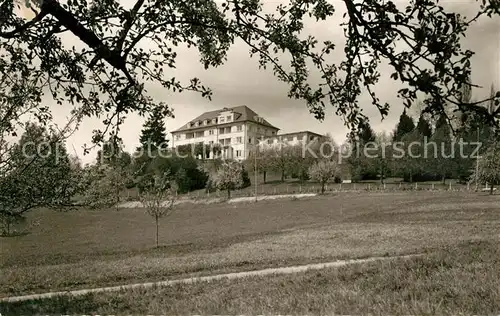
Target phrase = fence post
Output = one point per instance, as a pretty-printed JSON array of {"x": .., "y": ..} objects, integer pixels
[
  {"x": 433, "y": 186},
  {"x": 384, "y": 186},
  {"x": 287, "y": 189},
  {"x": 326, "y": 187},
  {"x": 416, "y": 185},
  {"x": 274, "y": 190},
  {"x": 369, "y": 187},
  {"x": 450, "y": 186},
  {"x": 313, "y": 188},
  {"x": 300, "y": 188},
  {"x": 354, "y": 186},
  {"x": 340, "y": 186},
  {"x": 468, "y": 186}
]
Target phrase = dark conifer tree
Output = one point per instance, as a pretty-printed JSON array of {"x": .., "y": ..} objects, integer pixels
[{"x": 405, "y": 126}]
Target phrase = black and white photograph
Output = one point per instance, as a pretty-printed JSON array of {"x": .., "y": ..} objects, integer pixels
[{"x": 249, "y": 157}]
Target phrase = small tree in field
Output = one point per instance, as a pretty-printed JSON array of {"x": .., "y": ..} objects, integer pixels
[
  {"x": 322, "y": 171},
  {"x": 231, "y": 176},
  {"x": 489, "y": 167},
  {"x": 158, "y": 198}
]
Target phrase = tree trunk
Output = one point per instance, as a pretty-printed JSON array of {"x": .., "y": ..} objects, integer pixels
[
  {"x": 381, "y": 175},
  {"x": 411, "y": 177},
  {"x": 323, "y": 187},
  {"x": 157, "y": 228},
  {"x": 491, "y": 189},
  {"x": 283, "y": 175},
  {"x": 264, "y": 175},
  {"x": 228, "y": 194},
  {"x": 443, "y": 179}
]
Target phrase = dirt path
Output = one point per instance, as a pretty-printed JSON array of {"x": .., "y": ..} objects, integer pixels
[
  {"x": 236, "y": 275},
  {"x": 137, "y": 204}
]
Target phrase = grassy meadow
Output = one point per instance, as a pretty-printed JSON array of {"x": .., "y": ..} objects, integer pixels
[
  {"x": 461, "y": 279},
  {"x": 84, "y": 248}
]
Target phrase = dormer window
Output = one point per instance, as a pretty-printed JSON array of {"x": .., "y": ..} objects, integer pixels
[{"x": 228, "y": 118}]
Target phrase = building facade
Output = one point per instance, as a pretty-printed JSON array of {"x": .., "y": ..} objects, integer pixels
[
  {"x": 294, "y": 138},
  {"x": 235, "y": 131}
]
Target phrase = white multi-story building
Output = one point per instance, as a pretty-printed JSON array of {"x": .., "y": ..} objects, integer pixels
[
  {"x": 294, "y": 138},
  {"x": 236, "y": 130}
]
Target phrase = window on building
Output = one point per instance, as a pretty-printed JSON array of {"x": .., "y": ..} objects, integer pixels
[
  {"x": 239, "y": 140},
  {"x": 250, "y": 128},
  {"x": 228, "y": 141},
  {"x": 228, "y": 130},
  {"x": 211, "y": 142},
  {"x": 311, "y": 138},
  {"x": 177, "y": 137},
  {"x": 289, "y": 138},
  {"x": 239, "y": 128},
  {"x": 238, "y": 153},
  {"x": 228, "y": 118},
  {"x": 211, "y": 132},
  {"x": 274, "y": 133},
  {"x": 221, "y": 120},
  {"x": 221, "y": 130},
  {"x": 221, "y": 141}
]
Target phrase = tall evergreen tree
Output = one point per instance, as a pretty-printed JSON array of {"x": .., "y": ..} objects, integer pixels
[
  {"x": 153, "y": 131},
  {"x": 405, "y": 126},
  {"x": 472, "y": 130},
  {"x": 441, "y": 122},
  {"x": 362, "y": 167},
  {"x": 424, "y": 127},
  {"x": 443, "y": 158},
  {"x": 366, "y": 133}
]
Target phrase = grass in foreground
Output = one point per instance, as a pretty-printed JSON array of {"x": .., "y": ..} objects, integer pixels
[
  {"x": 464, "y": 279},
  {"x": 86, "y": 249}
]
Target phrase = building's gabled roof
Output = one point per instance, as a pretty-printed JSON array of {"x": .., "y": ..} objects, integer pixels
[
  {"x": 243, "y": 114},
  {"x": 300, "y": 132}
]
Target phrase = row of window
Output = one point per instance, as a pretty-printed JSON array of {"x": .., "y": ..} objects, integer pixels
[
  {"x": 222, "y": 130},
  {"x": 227, "y": 130},
  {"x": 239, "y": 154},
  {"x": 220, "y": 119},
  {"x": 227, "y": 141}
]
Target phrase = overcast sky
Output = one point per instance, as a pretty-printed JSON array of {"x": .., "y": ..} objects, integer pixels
[{"x": 240, "y": 82}]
